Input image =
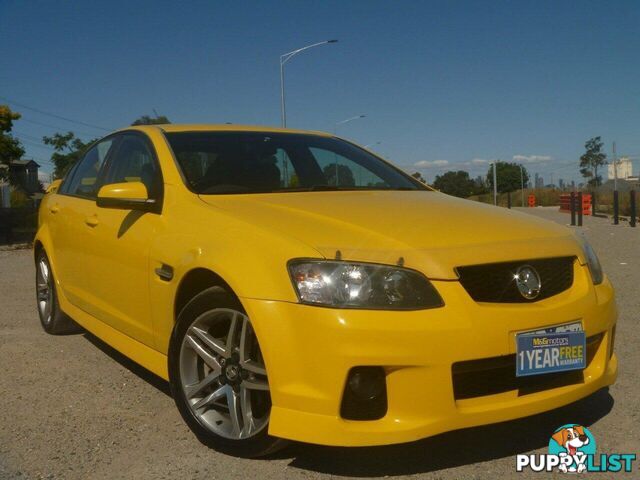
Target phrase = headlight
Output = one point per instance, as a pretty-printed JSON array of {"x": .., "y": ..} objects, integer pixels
[
  {"x": 592, "y": 261},
  {"x": 361, "y": 285}
]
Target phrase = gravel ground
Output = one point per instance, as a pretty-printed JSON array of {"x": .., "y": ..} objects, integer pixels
[{"x": 73, "y": 408}]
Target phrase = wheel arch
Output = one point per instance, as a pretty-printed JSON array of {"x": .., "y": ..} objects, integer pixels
[
  {"x": 43, "y": 241},
  {"x": 37, "y": 247},
  {"x": 195, "y": 281}
]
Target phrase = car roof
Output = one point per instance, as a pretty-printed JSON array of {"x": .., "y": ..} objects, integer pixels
[{"x": 202, "y": 127}]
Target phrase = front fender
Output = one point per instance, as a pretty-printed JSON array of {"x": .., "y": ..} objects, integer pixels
[{"x": 250, "y": 259}]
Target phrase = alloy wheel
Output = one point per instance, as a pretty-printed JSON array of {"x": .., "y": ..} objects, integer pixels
[
  {"x": 44, "y": 289},
  {"x": 223, "y": 376}
]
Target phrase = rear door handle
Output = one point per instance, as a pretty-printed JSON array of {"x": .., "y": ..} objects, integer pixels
[
  {"x": 54, "y": 209},
  {"x": 92, "y": 221}
]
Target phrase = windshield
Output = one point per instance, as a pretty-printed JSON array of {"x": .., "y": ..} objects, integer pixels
[{"x": 254, "y": 162}]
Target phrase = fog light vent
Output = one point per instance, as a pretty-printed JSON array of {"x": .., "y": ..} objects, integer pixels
[{"x": 365, "y": 394}]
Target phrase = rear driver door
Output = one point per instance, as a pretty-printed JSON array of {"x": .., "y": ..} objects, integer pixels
[{"x": 72, "y": 208}]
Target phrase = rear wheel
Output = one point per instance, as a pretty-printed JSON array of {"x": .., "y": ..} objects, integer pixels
[
  {"x": 53, "y": 320},
  {"x": 218, "y": 376}
]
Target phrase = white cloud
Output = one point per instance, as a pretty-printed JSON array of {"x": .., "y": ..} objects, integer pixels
[
  {"x": 479, "y": 161},
  {"x": 532, "y": 158},
  {"x": 431, "y": 163}
]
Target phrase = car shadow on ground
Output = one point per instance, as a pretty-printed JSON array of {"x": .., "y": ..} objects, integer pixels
[
  {"x": 141, "y": 372},
  {"x": 452, "y": 449},
  {"x": 447, "y": 450}
]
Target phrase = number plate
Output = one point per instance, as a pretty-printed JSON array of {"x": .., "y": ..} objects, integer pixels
[{"x": 557, "y": 349}]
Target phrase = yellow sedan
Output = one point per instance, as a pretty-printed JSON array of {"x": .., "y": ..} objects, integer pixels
[{"x": 293, "y": 285}]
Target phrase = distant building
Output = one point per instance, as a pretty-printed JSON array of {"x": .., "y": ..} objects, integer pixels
[
  {"x": 24, "y": 178},
  {"x": 624, "y": 169},
  {"x": 25, "y": 173},
  {"x": 561, "y": 183},
  {"x": 539, "y": 181}
]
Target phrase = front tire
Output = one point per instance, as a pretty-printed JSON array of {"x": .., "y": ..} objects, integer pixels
[
  {"x": 54, "y": 321},
  {"x": 218, "y": 377}
]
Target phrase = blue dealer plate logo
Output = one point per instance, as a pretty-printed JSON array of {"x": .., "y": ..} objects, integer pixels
[{"x": 551, "y": 352}]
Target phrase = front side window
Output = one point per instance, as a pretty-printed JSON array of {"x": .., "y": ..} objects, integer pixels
[
  {"x": 83, "y": 183},
  {"x": 248, "y": 162},
  {"x": 133, "y": 161}
]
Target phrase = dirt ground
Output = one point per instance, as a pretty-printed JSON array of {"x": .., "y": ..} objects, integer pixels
[{"x": 71, "y": 407}]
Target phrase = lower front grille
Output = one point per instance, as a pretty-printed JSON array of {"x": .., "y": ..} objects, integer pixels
[
  {"x": 495, "y": 282},
  {"x": 490, "y": 376}
]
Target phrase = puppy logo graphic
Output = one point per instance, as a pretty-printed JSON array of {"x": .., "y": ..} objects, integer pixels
[
  {"x": 572, "y": 443},
  {"x": 572, "y": 449}
]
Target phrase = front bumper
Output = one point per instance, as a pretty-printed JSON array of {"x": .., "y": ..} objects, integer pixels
[{"x": 309, "y": 350}]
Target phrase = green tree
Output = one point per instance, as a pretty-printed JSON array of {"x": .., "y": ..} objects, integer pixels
[
  {"x": 591, "y": 160},
  {"x": 345, "y": 175},
  {"x": 456, "y": 183},
  {"x": 68, "y": 149},
  {"x": 508, "y": 176},
  {"x": 418, "y": 176},
  {"x": 148, "y": 120},
  {"x": 10, "y": 147}
]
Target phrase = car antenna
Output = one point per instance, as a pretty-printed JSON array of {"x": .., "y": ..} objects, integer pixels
[
  {"x": 338, "y": 255},
  {"x": 400, "y": 262}
]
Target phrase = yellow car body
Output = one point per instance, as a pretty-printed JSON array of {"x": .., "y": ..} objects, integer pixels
[{"x": 105, "y": 263}]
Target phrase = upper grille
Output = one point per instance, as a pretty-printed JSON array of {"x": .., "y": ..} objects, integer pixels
[{"x": 494, "y": 282}]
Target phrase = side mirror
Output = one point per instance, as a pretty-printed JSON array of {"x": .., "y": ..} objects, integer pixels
[
  {"x": 54, "y": 186},
  {"x": 126, "y": 196}
]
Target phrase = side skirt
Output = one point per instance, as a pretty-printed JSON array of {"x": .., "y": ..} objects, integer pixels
[{"x": 140, "y": 353}]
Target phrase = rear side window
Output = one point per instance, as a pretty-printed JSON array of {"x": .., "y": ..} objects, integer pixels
[
  {"x": 64, "y": 187},
  {"x": 85, "y": 177}
]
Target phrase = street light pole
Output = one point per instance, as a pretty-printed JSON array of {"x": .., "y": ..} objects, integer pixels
[
  {"x": 522, "y": 184},
  {"x": 284, "y": 59},
  {"x": 283, "y": 112},
  {"x": 615, "y": 169},
  {"x": 347, "y": 120},
  {"x": 495, "y": 185}
]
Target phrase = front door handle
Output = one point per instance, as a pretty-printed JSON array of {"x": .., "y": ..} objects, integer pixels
[
  {"x": 92, "y": 221},
  {"x": 54, "y": 209}
]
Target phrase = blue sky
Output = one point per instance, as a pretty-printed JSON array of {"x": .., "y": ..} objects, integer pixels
[{"x": 443, "y": 85}]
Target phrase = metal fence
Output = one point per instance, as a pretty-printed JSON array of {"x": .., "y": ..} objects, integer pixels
[{"x": 18, "y": 225}]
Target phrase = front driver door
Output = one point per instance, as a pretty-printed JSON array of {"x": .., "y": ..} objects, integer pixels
[{"x": 120, "y": 249}]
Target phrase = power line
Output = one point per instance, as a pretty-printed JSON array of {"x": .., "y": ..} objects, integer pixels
[
  {"x": 56, "y": 127},
  {"x": 60, "y": 117},
  {"x": 27, "y": 136},
  {"x": 31, "y": 143}
]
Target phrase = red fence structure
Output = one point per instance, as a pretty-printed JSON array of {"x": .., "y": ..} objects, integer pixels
[
  {"x": 531, "y": 200},
  {"x": 565, "y": 203}
]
